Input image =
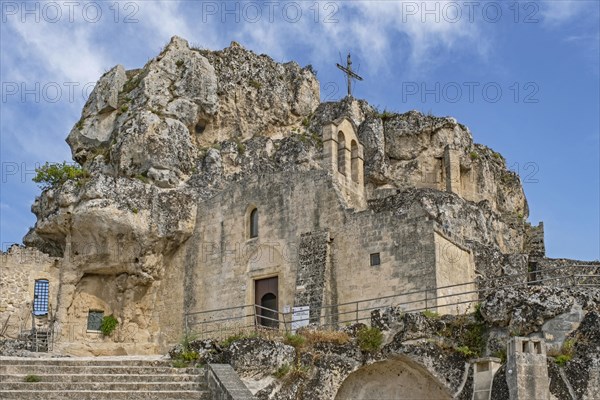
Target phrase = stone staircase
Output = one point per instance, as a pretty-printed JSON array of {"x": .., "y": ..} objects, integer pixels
[{"x": 102, "y": 378}]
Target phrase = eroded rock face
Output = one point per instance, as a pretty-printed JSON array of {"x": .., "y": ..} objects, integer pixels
[
  {"x": 525, "y": 311},
  {"x": 407, "y": 150}
]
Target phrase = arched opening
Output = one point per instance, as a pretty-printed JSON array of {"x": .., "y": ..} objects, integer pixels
[
  {"x": 268, "y": 310},
  {"x": 397, "y": 378},
  {"x": 354, "y": 160},
  {"x": 253, "y": 223},
  {"x": 341, "y": 153},
  {"x": 266, "y": 297}
]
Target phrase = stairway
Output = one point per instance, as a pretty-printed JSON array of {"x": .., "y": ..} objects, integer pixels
[{"x": 102, "y": 378}]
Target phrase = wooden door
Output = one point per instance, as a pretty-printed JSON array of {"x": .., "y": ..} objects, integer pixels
[{"x": 266, "y": 296}]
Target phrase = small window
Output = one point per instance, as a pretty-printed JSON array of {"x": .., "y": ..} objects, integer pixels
[
  {"x": 40, "y": 297},
  {"x": 254, "y": 223},
  {"x": 94, "y": 320},
  {"x": 375, "y": 260}
]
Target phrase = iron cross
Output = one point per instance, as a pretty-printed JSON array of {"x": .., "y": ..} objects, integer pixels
[{"x": 350, "y": 74}]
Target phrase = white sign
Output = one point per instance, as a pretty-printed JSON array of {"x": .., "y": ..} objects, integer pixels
[{"x": 300, "y": 317}]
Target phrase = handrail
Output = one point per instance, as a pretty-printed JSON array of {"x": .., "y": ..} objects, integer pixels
[{"x": 430, "y": 301}]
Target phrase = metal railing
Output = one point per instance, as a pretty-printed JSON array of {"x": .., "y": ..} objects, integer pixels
[{"x": 246, "y": 319}]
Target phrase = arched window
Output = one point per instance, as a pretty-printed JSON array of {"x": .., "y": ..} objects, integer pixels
[
  {"x": 254, "y": 223},
  {"x": 354, "y": 160},
  {"x": 341, "y": 153}
]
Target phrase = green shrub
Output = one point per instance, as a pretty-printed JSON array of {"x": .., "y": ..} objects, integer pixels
[
  {"x": 132, "y": 83},
  {"x": 296, "y": 341},
  {"x": 32, "y": 378},
  {"x": 255, "y": 84},
  {"x": 477, "y": 313},
  {"x": 385, "y": 115},
  {"x": 282, "y": 371},
  {"x": 189, "y": 356},
  {"x": 179, "y": 363},
  {"x": 566, "y": 352},
  {"x": 143, "y": 178},
  {"x": 108, "y": 325},
  {"x": 501, "y": 354},
  {"x": 431, "y": 314},
  {"x": 179, "y": 63},
  {"x": 241, "y": 147},
  {"x": 466, "y": 351},
  {"x": 369, "y": 339},
  {"x": 53, "y": 175},
  {"x": 238, "y": 336},
  {"x": 473, "y": 155},
  {"x": 563, "y": 359}
]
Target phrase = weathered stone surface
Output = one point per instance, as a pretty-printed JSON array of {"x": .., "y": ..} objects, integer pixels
[
  {"x": 258, "y": 357},
  {"x": 558, "y": 387},
  {"x": 499, "y": 386},
  {"x": 95, "y": 128},
  {"x": 525, "y": 310}
]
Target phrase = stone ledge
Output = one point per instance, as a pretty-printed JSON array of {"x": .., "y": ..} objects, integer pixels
[{"x": 225, "y": 384}]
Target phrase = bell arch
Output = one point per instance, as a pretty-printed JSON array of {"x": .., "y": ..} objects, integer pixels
[{"x": 343, "y": 156}]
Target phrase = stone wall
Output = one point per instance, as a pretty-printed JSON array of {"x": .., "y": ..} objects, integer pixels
[
  {"x": 313, "y": 278},
  {"x": 148, "y": 311},
  {"x": 19, "y": 269},
  {"x": 321, "y": 252},
  {"x": 454, "y": 264},
  {"x": 534, "y": 241},
  {"x": 225, "y": 384}
]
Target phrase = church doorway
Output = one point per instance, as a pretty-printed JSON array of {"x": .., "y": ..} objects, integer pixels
[{"x": 265, "y": 295}]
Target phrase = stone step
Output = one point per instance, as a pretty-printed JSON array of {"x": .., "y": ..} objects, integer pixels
[
  {"x": 97, "y": 361},
  {"x": 104, "y": 386},
  {"x": 107, "y": 378},
  {"x": 110, "y": 378},
  {"x": 103, "y": 395},
  {"x": 40, "y": 369}
]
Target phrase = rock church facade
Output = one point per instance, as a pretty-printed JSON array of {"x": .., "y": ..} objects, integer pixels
[{"x": 219, "y": 180}]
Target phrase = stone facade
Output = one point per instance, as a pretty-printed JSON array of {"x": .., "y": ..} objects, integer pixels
[
  {"x": 20, "y": 268},
  {"x": 215, "y": 176}
]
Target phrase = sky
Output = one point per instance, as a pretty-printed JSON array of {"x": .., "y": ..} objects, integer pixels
[{"x": 523, "y": 76}]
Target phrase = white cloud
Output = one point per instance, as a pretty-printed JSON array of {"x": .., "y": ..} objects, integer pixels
[
  {"x": 556, "y": 12},
  {"x": 383, "y": 32}
]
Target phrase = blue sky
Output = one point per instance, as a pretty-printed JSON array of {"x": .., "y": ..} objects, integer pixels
[{"x": 523, "y": 76}]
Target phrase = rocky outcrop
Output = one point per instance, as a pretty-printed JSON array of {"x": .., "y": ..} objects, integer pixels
[
  {"x": 524, "y": 311},
  {"x": 406, "y": 151}
]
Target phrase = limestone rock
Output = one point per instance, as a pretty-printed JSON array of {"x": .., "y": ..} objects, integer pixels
[
  {"x": 525, "y": 311},
  {"x": 258, "y": 357}
]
